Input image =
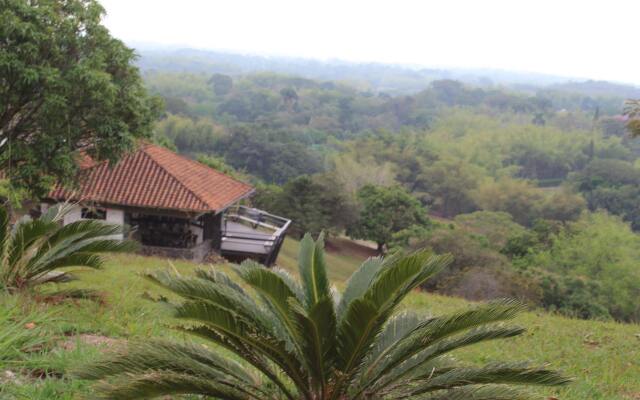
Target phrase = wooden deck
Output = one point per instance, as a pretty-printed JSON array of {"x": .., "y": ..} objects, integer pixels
[
  {"x": 252, "y": 233},
  {"x": 239, "y": 238}
]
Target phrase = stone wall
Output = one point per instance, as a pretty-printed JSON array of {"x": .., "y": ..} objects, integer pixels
[{"x": 195, "y": 254}]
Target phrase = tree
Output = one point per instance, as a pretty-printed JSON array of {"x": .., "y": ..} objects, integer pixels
[
  {"x": 527, "y": 203},
  {"x": 353, "y": 174},
  {"x": 289, "y": 97},
  {"x": 385, "y": 211},
  {"x": 222, "y": 84},
  {"x": 298, "y": 340},
  {"x": 607, "y": 173},
  {"x": 314, "y": 204},
  {"x": 591, "y": 266},
  {"x": 65, "y": 85},
  {"x": 272, "y": 156},
  {"x": 33, "y": 251},
  {"x": 632, "y": 110},
  {"x": 611, "y": 185},
  {"x": 497, "y": 227},
  {"x": 516, "y": 197},
  {"x": 450, "y": 183}
]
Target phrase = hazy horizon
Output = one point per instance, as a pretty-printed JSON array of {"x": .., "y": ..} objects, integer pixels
[{"x": 579, "y": 40}]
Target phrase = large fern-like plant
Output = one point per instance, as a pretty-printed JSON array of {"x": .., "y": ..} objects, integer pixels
[
  {"x": 292, "y": 340},
  {"x": 33, "y": 251}
]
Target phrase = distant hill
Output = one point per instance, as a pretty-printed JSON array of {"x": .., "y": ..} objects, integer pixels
[
  {"x": 599, "y": 89},
  {"x": 392, "y": 79}
]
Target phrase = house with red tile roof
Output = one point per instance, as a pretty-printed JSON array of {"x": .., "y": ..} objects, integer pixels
[{"x": 173, "y": 206}]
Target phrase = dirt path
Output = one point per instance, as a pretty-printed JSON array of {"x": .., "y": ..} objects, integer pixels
[{"x": 346, "y": 247}]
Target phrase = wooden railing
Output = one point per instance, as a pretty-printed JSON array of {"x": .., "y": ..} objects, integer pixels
[{"x": 253, "y": 233}]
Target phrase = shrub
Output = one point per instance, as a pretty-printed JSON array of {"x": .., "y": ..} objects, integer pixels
[{"x": 301, "y": 341}]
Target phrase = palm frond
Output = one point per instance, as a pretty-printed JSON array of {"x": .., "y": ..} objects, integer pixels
[
  {"x": 313, "y": 270},
  {"x": 480, "y": 392},
  {"x": 413, "y": 368},
  {"x": 26, "y": 234},
  {"x": 222, "y": 295},
  {"x": 317, "y": 333},
  {"x": 507, "y": 373},
  {"x": 76, "y": 293},
  {"x": 5, "y": 237},
  {"x": 277, "y": 295},
  {"x": 57, "y": 212},
  {"x": 211, "y": 274},
  {"x": 434, "y": 329},
  {"x": 84, "y": 229},
  {"x": 297, "y": 341},
  {"x": 395, "y": 282},
  {"x": 155, "y": 383},
  {"x": 378, "y": 302},
  {"x": 36, "y": 248},
  {"x": 231, "y": 324},
  {"x": 164, "y": 355},
  {"x": 359, "y": 282},
  {"x": 249, "y": 355},
  {"x": 55, "y": 277},
  {"x": 396, "y": 329},
  {"x": 291, "y": 282}
]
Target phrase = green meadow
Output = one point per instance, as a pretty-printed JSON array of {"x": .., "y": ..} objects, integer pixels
[{"x": 54, "y": 335}]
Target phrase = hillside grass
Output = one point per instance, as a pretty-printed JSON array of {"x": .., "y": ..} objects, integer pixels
[{"x": 603, "y": 357}]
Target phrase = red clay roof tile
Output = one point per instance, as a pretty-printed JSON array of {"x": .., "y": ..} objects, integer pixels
[{"x": 155, "y": 177}]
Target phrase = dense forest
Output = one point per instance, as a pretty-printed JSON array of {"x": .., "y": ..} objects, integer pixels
[
  {"x": 432, "y": 210},
  {"x": 534, "y": 191}
]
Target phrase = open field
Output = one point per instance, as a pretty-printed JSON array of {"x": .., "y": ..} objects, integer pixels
[{"x": 603, "y": 357}]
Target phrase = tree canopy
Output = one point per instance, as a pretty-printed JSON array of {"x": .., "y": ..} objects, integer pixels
[
  {"x": 65, "y": 85},
  {"x": 384, "y": 211}
]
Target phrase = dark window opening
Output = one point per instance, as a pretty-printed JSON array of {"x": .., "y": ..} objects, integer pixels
[
  {"x": 94, "y": 213},
  {"x": 163, "y": 231}
]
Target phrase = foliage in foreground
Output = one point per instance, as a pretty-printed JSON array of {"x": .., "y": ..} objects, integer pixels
[
  {"x": 303, "y": 341},
  {"x": 33, "y": 251},
  {"x": 19, "y": 332}
]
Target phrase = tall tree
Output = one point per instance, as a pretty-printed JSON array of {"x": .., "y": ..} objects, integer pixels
[
  {"x": 632, "y": 110},
  {"x": 65, "y": 84},
  {"x": 222, "y": 84},
  {"x": 385, "y": 211},
  {"x": 314, "y": 203}
]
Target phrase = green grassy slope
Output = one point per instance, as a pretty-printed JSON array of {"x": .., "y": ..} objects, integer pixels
[
  {"x": 603, "y": 357},
  {"x": 342, "y": 264}
]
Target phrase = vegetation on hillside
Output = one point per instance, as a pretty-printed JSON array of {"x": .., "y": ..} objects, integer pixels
[
  {"x": 540, "y": 162},
  {"x": 530, "y": 192},
  {"x": 303, "y": 341},
  {"x": 79, "y": 332}
]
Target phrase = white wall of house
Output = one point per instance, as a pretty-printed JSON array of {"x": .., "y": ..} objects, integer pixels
[
  {"x": 114, "y": 216},
  {"x": 199, "y": 232},
  {"x": 74, "y": 215}
]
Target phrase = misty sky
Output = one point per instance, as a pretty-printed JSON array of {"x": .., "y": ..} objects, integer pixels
[{"x": 586, "y": 39}]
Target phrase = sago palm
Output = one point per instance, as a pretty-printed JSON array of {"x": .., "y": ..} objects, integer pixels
[
  {"x": 33, "y": 251},
  {"x": 293, "y": 340}
]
